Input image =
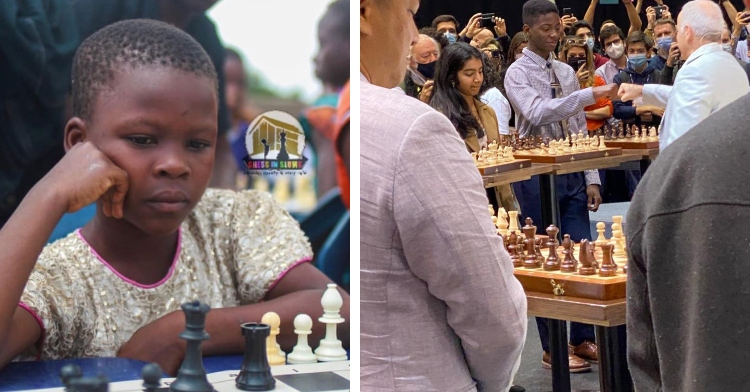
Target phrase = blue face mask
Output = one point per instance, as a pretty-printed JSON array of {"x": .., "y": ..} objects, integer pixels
[
  {"x": 590, "y": 43},
  {"x": 637, "y": 61},
  {"x": 452, "y": 38},
  {"x": 664, "y": 43}
]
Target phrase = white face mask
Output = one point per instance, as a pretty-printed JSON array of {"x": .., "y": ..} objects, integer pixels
[
  {"x": 518, "y": 56},
  {"x": 727, "y": 48},
  {"x": 615, "y": 51}
]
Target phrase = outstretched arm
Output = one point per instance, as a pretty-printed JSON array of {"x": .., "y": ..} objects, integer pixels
[
  {"x": 589, "y": 16},
  {"x": 635, "y": 20}
]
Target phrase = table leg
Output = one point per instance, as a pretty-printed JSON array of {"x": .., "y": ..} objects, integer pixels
[
  {"x": 558, "y": 342},
  {"x": 645, "y": 163},
  {"x": 614, "y": 375},
  {"x": 550, "y": 206}
]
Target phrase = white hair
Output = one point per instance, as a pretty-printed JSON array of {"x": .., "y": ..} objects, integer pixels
[{"x": 705, "y": 18}]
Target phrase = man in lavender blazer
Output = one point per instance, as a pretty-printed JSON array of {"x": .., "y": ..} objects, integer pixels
[{"x": 440, "y": 307}]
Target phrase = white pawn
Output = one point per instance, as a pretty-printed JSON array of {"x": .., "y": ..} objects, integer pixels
[
  {"x": 274, "y": 353},
  {"x": 330, "y": 348},
  {"x": 602, "y": 146},
  {"x": 302, "y": 353}
]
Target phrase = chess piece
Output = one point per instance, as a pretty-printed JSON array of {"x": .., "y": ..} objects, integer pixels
[
  {"x": 330, "y": 348},
  {"x": 538, "y": 244},
  {"x": 513, "y": 221},
  {"x": 492, "y": 213},
  {"x": 151, "y": 374},
  {"x": 617, "y": 240},
  {"x": 69, "y": 373},
  {"x": 275, "y": 355},
  {"x": 520, "y": 244},
  {"x": 192, "y": 376},
  {"x": 529, "y": 231},
  {"x": 618, "y": 219},
  {"x": 255, "y": 373},
  {"x": 587, "y": 266},
  {"x": 592, "y": 251},
  {"x": 553, "y": 262},
  {"x": 512, "y": 250},
  {"x": 99, "y": 383},
  {"x": 302, "y": 353},
  {"x": 569, "y": 262},
  {"x": 602, "y": 146},
  {"x": 502, "y": 221},
  {"x": 552, "y": 231},
  {"x": 608, "y": 268}
]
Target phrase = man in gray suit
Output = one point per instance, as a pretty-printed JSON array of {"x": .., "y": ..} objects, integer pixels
[
  {"x": 688, "y": 298},
  {"x": 710, "y": 79},
  {"x": 440, "y": 307}
]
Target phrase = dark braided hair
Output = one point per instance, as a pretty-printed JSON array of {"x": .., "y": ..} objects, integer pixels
[{"x": 132, "y": 43}]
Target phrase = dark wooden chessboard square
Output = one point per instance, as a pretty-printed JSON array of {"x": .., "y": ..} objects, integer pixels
[{"x": 315, "y": 382}]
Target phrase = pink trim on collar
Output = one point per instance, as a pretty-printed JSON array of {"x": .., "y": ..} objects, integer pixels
[
  {"x": 38, "y": 319},
  {"x": 296, "y": 263},
  {"x": 130, "y": 281}
]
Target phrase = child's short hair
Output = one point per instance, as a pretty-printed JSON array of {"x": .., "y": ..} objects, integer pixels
[
  {"x": 133, "y": 43},
  {"x": 638, "y": 36}
]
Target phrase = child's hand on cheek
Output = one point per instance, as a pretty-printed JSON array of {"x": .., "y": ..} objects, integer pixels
[
  {"x": 158, "y": 342},
  {"x": 85, "y": 175}
]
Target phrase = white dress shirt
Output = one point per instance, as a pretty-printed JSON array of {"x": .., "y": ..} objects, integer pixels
[
  {"x": 710, "y": 79},
  {"x": 495, "y": 99}
]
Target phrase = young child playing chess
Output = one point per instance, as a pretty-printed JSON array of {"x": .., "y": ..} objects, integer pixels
[{"x": 141, "y": 144}]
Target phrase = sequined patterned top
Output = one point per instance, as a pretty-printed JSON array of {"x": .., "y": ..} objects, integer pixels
[{"x": 232, "y": 249}]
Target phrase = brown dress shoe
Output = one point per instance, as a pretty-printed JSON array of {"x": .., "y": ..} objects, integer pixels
[
  {"x": 586, "y": 350},
  {"x": 575, "y": 364}
]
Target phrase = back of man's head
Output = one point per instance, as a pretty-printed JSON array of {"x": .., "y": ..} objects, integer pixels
[
  {"x": 533, "y": 9},
  {"x": 704, "y": 18}
]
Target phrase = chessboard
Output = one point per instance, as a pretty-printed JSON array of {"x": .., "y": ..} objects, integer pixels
[
  {"x": 631, "y": 137},
  {"x": 543, "y": 156},
  {"x": 498, "y": 168},
  {"x": 324, "y": 376},
  {"x": 495, "y": 159},
  {"x": 598, "y": 272}
]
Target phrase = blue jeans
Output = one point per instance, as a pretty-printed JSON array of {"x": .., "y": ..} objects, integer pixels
[{"x": 574, "y": 220}]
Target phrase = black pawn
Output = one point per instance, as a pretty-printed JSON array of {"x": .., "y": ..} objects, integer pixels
[
  {"x": 255, "y": 374},
  {"x": 69, "y": 373},
  {"x": 151, "y": 375},
  {"x": 192, "y": 376}
]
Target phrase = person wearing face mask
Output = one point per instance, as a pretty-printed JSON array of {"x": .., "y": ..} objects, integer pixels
[
  {"x": 709, "y": 80},
  {"x": 448, "y": 26},
  {"x": 517, "y": 45},
  {"x": 613, "y": 42},
  {"x": 663, "y": 35},
  {"x": 726, "y": 45},
  {"x": 576, "y": 53},
  {"x": 583, "y": 30},
  {"x": 638, "y": 71},
  {"x": 421, "y": 70}
]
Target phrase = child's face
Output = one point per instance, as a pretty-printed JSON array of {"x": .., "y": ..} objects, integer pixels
[{"x": 160, "y": 126}]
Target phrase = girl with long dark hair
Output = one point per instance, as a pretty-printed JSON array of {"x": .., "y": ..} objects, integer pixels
[{"x": 459, "y": 81}]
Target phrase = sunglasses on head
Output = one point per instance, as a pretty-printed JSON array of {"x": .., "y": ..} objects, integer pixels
[{"x": 575, "y": 42}]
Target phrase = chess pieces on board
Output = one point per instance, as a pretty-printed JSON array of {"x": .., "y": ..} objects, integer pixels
[
  {"x": 255, "y": 372},
  {"x": 302, "y": 352},
  {"x": 525, "y": 249},
  {"x": 330, "y": 348},
  {"x": 275, "y": 355},
  {"x": 493, "y": 154},
  {"x": 192, "y": 376},
  {"x": 634, "y": 133}
]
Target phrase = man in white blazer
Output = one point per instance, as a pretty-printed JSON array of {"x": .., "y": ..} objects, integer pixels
[{"x": 710, "y": 79}]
